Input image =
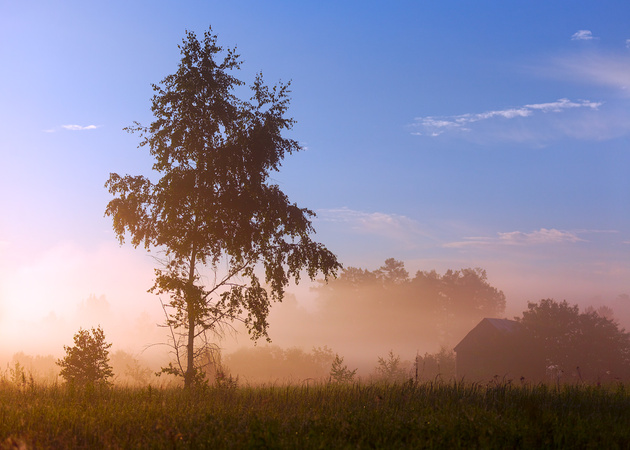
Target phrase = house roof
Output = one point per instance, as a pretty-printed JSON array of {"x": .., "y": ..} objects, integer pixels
[
  {"x": 488, "y": 325},
  {"x": 506, "y": 325}
]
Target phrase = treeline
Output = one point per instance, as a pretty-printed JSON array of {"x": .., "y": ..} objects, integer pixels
[
  {"x": 388, "y": 305},
  {"x": 26, "y": 369},
  {"x": 268, "y": 364}
]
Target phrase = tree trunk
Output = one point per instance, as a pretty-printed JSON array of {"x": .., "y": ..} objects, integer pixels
[
  {"x": 190, "y": 304},
  {"x": 190, "y": 363}
]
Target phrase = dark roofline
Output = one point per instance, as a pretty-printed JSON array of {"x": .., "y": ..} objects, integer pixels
[{"x": 501, "y": 325}]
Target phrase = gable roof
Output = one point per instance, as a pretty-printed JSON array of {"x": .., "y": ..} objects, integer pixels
[{"x": 485, "y": 327}]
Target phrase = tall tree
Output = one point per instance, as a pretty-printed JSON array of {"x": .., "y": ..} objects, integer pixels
[{"x": 212, "y": 204}]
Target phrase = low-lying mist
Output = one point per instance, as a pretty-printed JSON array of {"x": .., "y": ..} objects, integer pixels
[{"x": 361, "y": 316}]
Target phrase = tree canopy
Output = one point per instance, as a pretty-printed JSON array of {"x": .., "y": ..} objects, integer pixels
[
  {"x": 213, "y": 204},
  {"x": 588, "y": 345}
]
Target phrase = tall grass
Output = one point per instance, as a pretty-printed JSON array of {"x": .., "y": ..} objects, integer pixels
[{"x": 430, "y": 415}]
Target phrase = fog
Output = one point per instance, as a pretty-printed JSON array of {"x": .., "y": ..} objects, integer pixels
[{"x": 46, "y": 298}]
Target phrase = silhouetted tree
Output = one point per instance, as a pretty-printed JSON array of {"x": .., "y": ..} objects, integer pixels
[
  {"x": 584, "y": 345},
  {"x": 212, "y": 203},
  {"x": 339, "y": 372},
  {"x": 87, "y": 361},
  {"x": 393, "y": 272}
]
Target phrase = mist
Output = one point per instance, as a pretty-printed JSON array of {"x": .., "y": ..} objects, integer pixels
[{"x": 48, "y": 296}]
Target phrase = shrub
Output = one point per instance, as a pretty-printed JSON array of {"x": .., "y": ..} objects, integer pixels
[{"x": 87, "y": 362}]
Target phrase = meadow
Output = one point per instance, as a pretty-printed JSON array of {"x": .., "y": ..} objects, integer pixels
[{"x": 427, "y": 415}]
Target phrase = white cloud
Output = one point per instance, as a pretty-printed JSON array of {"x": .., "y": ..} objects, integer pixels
[
  {"x": 79, "y": 127},
  {"x": 627, "y": 43},
  {"x": 434, "y": 126},
  {"x": 563, "y": 103},
  {"x": 543, "y": 236},
  {"x": 582, "y": 35}
]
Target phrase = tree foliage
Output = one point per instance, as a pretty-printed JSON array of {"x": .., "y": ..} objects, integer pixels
[
  {"x": 391, "y": 369},
  {"x": 213, "y": 204},
  {"x": 339, "y": 372},
  {"x": 87, "y": 361},
  {"x": 587, "y": 345},
  {"x": 372, "y": 305}
]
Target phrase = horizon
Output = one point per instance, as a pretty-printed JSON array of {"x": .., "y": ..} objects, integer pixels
[{"x": 445, "y": 136}]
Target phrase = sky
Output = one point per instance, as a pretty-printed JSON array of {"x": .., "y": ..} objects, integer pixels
[{"x": 443, "y": 134}]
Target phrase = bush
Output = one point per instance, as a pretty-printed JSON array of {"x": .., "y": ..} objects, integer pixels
[{"x": 87, "y": 362}]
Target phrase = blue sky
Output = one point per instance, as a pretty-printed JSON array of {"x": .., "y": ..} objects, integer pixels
[{"x": 445, "y": 134}]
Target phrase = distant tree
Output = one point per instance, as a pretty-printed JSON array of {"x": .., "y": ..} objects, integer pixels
[
  {"x": 211, "y": 204},
  {"x": 129, "y": 369},
  {"x": 602, "y": 311},
  {"x": 584, "y": 345},
  {"x": 430, "y": 307},
  {"x": 43, "y": 369},
  {"x": 436, "y": 365},
  {"x": 270, "y": 363},
  {"x": 18, "y": 374},
  {"x": 464, "y": 292},
  {"x": 339, "y": 372},
  {"x": 391, "y": 368},
  {"x": 87, "y": 361},
  {"x": 393, "y": 272}
]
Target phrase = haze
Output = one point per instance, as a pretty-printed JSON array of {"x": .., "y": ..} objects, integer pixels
[{"x": 446, "y": 136}]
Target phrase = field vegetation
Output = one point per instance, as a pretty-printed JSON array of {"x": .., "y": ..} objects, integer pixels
[{"x": 327, "y": 415}]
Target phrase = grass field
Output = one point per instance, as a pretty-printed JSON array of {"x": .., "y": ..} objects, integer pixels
[{"x": 323, "y": 416}]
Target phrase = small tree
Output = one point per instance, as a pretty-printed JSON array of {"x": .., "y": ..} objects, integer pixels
[
  {"x": 339, "y": 372},
  {"x": 391, "y": 369},
  {"x": 87, "y": 362}
]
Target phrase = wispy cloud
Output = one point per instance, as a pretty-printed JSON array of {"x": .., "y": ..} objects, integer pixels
[
  {"x": 599, "y": 69},
  {"x": 391, "y": 226},
  {"x": 627, "y": 43},
  {"x": 79, "y": 127},
  {"x": 435, "y": 126},
  {"x": 542, "y": 236},
  {"x": 582, "y": 35}
]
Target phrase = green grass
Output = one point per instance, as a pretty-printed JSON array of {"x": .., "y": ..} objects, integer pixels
[{"x": 325, "y": 416}]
